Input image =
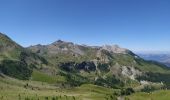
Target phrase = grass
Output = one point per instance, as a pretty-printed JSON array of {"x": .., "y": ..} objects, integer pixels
[
  {"x": 13, "y": 89},
  {"x": 157, "y": 95},
  {"x": 42, "y": 77}
]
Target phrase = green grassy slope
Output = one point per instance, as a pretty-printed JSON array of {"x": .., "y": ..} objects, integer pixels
[
  {"x": 13, "y": 89},
  {"x": 157, "y": 95},
  {"x": 43, "y": 77},
  {"x": 16, "y": 61}
]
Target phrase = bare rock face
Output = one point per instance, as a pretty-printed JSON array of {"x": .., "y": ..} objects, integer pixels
[
  {"x": 115, "y": 49},
  {"x": 130, "y": 72}
]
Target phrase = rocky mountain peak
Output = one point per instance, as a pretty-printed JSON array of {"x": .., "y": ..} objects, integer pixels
[
  {"x": 58, "y": 41},
  {"x": 61, "y": 42},
  {"x": 115, "y": 49}
]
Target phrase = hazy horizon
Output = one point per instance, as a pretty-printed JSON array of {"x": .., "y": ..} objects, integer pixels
[{"x": 136, "y": 25}]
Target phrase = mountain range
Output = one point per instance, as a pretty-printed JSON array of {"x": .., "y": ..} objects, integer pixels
[{"x": 66, "y": 64}]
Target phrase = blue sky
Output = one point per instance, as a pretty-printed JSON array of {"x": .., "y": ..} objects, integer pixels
[{"x": 139, "y": 25}]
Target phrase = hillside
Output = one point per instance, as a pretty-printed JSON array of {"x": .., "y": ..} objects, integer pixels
[
  {"x": 108, "y": 65},
  {"x": 17, "y": 61}
]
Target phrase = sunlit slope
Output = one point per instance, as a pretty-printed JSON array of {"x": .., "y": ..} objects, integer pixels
[
  {"x": 16, "y": 61},
  {"x": 13, "y": 89}
]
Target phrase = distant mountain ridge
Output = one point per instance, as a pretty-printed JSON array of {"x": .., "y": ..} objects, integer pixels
[
  {"x": 162, "y": 58},
  {"x": 78, "y": 49}
]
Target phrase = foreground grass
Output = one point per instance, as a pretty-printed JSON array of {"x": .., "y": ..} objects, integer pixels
[
  {"x": 12, "y": 89},
  {"x": 157, "y": 95}
]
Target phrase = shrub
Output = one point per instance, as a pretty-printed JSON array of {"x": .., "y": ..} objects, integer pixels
[
  {"x": 127, "y": 91},
  {"x": 148, "y": 89},
  {"x": 46, "y": 98},
  {"x": 16, "y": 69}
]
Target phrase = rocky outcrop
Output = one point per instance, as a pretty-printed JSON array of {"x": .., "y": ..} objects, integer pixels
[
  {"x": 115, "y": 49},
  {"x": 130, "y": 72}
]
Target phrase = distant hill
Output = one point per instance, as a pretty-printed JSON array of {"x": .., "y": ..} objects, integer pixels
[{"x": 162, "y": 58}]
